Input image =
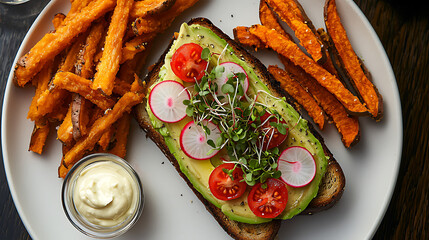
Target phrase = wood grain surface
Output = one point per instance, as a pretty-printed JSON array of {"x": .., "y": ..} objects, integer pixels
[{"x": 403, "y": 28}]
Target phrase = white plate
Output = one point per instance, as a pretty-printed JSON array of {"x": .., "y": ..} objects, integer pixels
[{"x": 172, "y": 211}]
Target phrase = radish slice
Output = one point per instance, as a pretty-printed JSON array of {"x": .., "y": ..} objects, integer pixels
[
  {"x": 193, "y": 140},
  {"x": 297, "y": 166},
  {"x": 230, "y": 69},
  {"x": 166, "y": 101}
]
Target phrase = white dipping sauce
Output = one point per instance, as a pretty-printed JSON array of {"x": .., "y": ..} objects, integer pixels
[{"x": 105, "y": 194}]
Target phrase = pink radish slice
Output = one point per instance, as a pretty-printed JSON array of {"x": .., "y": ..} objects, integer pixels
[
  {"x": 231, "y": 68},
  {"x": 193, "y": 140},
  {"x": 166, "y": 101},
  {"x": 297, "y": 166}
]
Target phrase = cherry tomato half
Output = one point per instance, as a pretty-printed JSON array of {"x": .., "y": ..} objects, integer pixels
[
  {"x": 225, "y": 188},
  {"x": 268, "y": 202},
  {"x": 187, "y": 63},
  {"x": 273, "y": 138}
]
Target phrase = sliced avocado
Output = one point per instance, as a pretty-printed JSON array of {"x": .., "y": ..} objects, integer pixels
[{"x": 198, "y": 171}]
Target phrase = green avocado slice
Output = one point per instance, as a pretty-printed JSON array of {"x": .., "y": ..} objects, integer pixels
[{"x": 198, "y": 171}]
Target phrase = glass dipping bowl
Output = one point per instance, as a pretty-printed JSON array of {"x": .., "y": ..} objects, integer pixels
[{"x": 79, "y": 221}]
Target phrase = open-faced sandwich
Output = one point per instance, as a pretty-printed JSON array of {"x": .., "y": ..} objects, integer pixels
[{"x": 234, "y": 136}]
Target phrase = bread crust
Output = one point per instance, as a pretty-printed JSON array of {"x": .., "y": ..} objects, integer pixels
[{"x": 236, "y": 229}]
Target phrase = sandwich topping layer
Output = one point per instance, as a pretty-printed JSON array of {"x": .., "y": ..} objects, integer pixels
[{"x": 260, "y": 96}]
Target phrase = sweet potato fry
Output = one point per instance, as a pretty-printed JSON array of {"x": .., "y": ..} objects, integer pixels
[
  {"x": 290, "y": 50},
  {"x": 121, "y": 138},
  {"x": 124, "y": 104},
  {"x": 109, "y": 64},
  {"x": 68, "y": 65},
  {"x": 287, "y": 11},
  {"x": 134, "y": 66},
  {"x": 77, "y": 6},
  {"x": 106, "y": 138},
  {"x": 84, "y": 116},
  {"x": 73, "y": 83},
  {"x": 347, "y": 126},
  {"x": 350, "y": 61},
  {"x": 59, "y": 113},
  {"x": 138, "y": 86},
  {"x": 53, "y": 43},
  {"x": 39, "y": 135},
  {"x": 136, "y": 45},
  {"x": 301, "y": 14},
  {"x": 294, "y": 89},
  {"x": 63, "y": 170},
  {"x": 269, "y": 19},
  {"x": 156, "y": 24},
  {"x": 329, "y": 63},
  {"x": 51, "y": 99},
  {"x": 150, "y": 7},
  {"x": 58, "y": 19},
  {"x": 80, "y": 115},
  {"x": 121, "y": 87},
  {"x": 96, "y": 113},
  {"x": 41, "y": 81},
  {"x": 65, "y": 130},
  {"x": 85, "y": 63},
  {"x": 243, "y": 36}
]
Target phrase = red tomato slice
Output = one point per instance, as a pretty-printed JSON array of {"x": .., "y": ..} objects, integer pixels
[
  {"x": 268, "y": 202},
  {"x": 187, "y": 63},
  {"x": 225, "y": 188},
  {"x": 277, "y": 138}
]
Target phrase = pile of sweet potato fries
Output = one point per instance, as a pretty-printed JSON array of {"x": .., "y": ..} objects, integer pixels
[
  {"x": 328, "y": 80},
  {"x": 86, "y": 70},
  {"x": 85, "y": 73}
]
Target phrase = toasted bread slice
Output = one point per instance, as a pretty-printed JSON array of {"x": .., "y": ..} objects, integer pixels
[{"x": 332, "y": 185}]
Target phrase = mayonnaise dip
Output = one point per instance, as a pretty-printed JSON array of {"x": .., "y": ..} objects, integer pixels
[{"x": 105, "y": 194}]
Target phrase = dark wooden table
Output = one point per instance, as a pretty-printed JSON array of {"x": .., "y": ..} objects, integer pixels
[{"x": 402, "y": 26}]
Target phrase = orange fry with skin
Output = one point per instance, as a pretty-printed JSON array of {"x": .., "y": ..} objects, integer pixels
[
  {"x": 39, "y": 135},
  {"x": 85, "y": 62},
  {"x": 156, "y": 24},
  {"x": 124, "y": 104},
  {"x": 76, "y": 7},
  {"x": 290, "y": 50},
  {"x": 121, "y": 87},
  {"x": 106, "y": 138},
  {"x": 243, "y": 36},
  {"x": 347, "y": 126},
  {"x": 109, "y": 63},
  {"x": 69, "y": 62},
  {"x": 150, "y": 7},
  {"x": 123, "y": 129},
  {"x": 269, "y": 19},
  {"x": 65, "y": 130},
  {"x": 81, "y": 112},
  {"x": 42, "y": 84},
  {"x": 296, "y": 91},
  {"x": 51, "y": 99},
  {"x": 53, "y": 43},
  {"x": 73, "y": 83},
  {"x": 136, "y": 45},
  {"x": 365, "y": 88},
  {"x": 287, "y": 10},
  {"x": 58, "y": 19},
  {"x": 63, "y": 170}
]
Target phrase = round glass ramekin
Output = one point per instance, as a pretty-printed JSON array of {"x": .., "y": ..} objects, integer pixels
[{"x": 79, "y": 221}]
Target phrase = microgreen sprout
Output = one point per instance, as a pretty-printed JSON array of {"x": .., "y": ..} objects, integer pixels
[{"x": 239, "y": 119}]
